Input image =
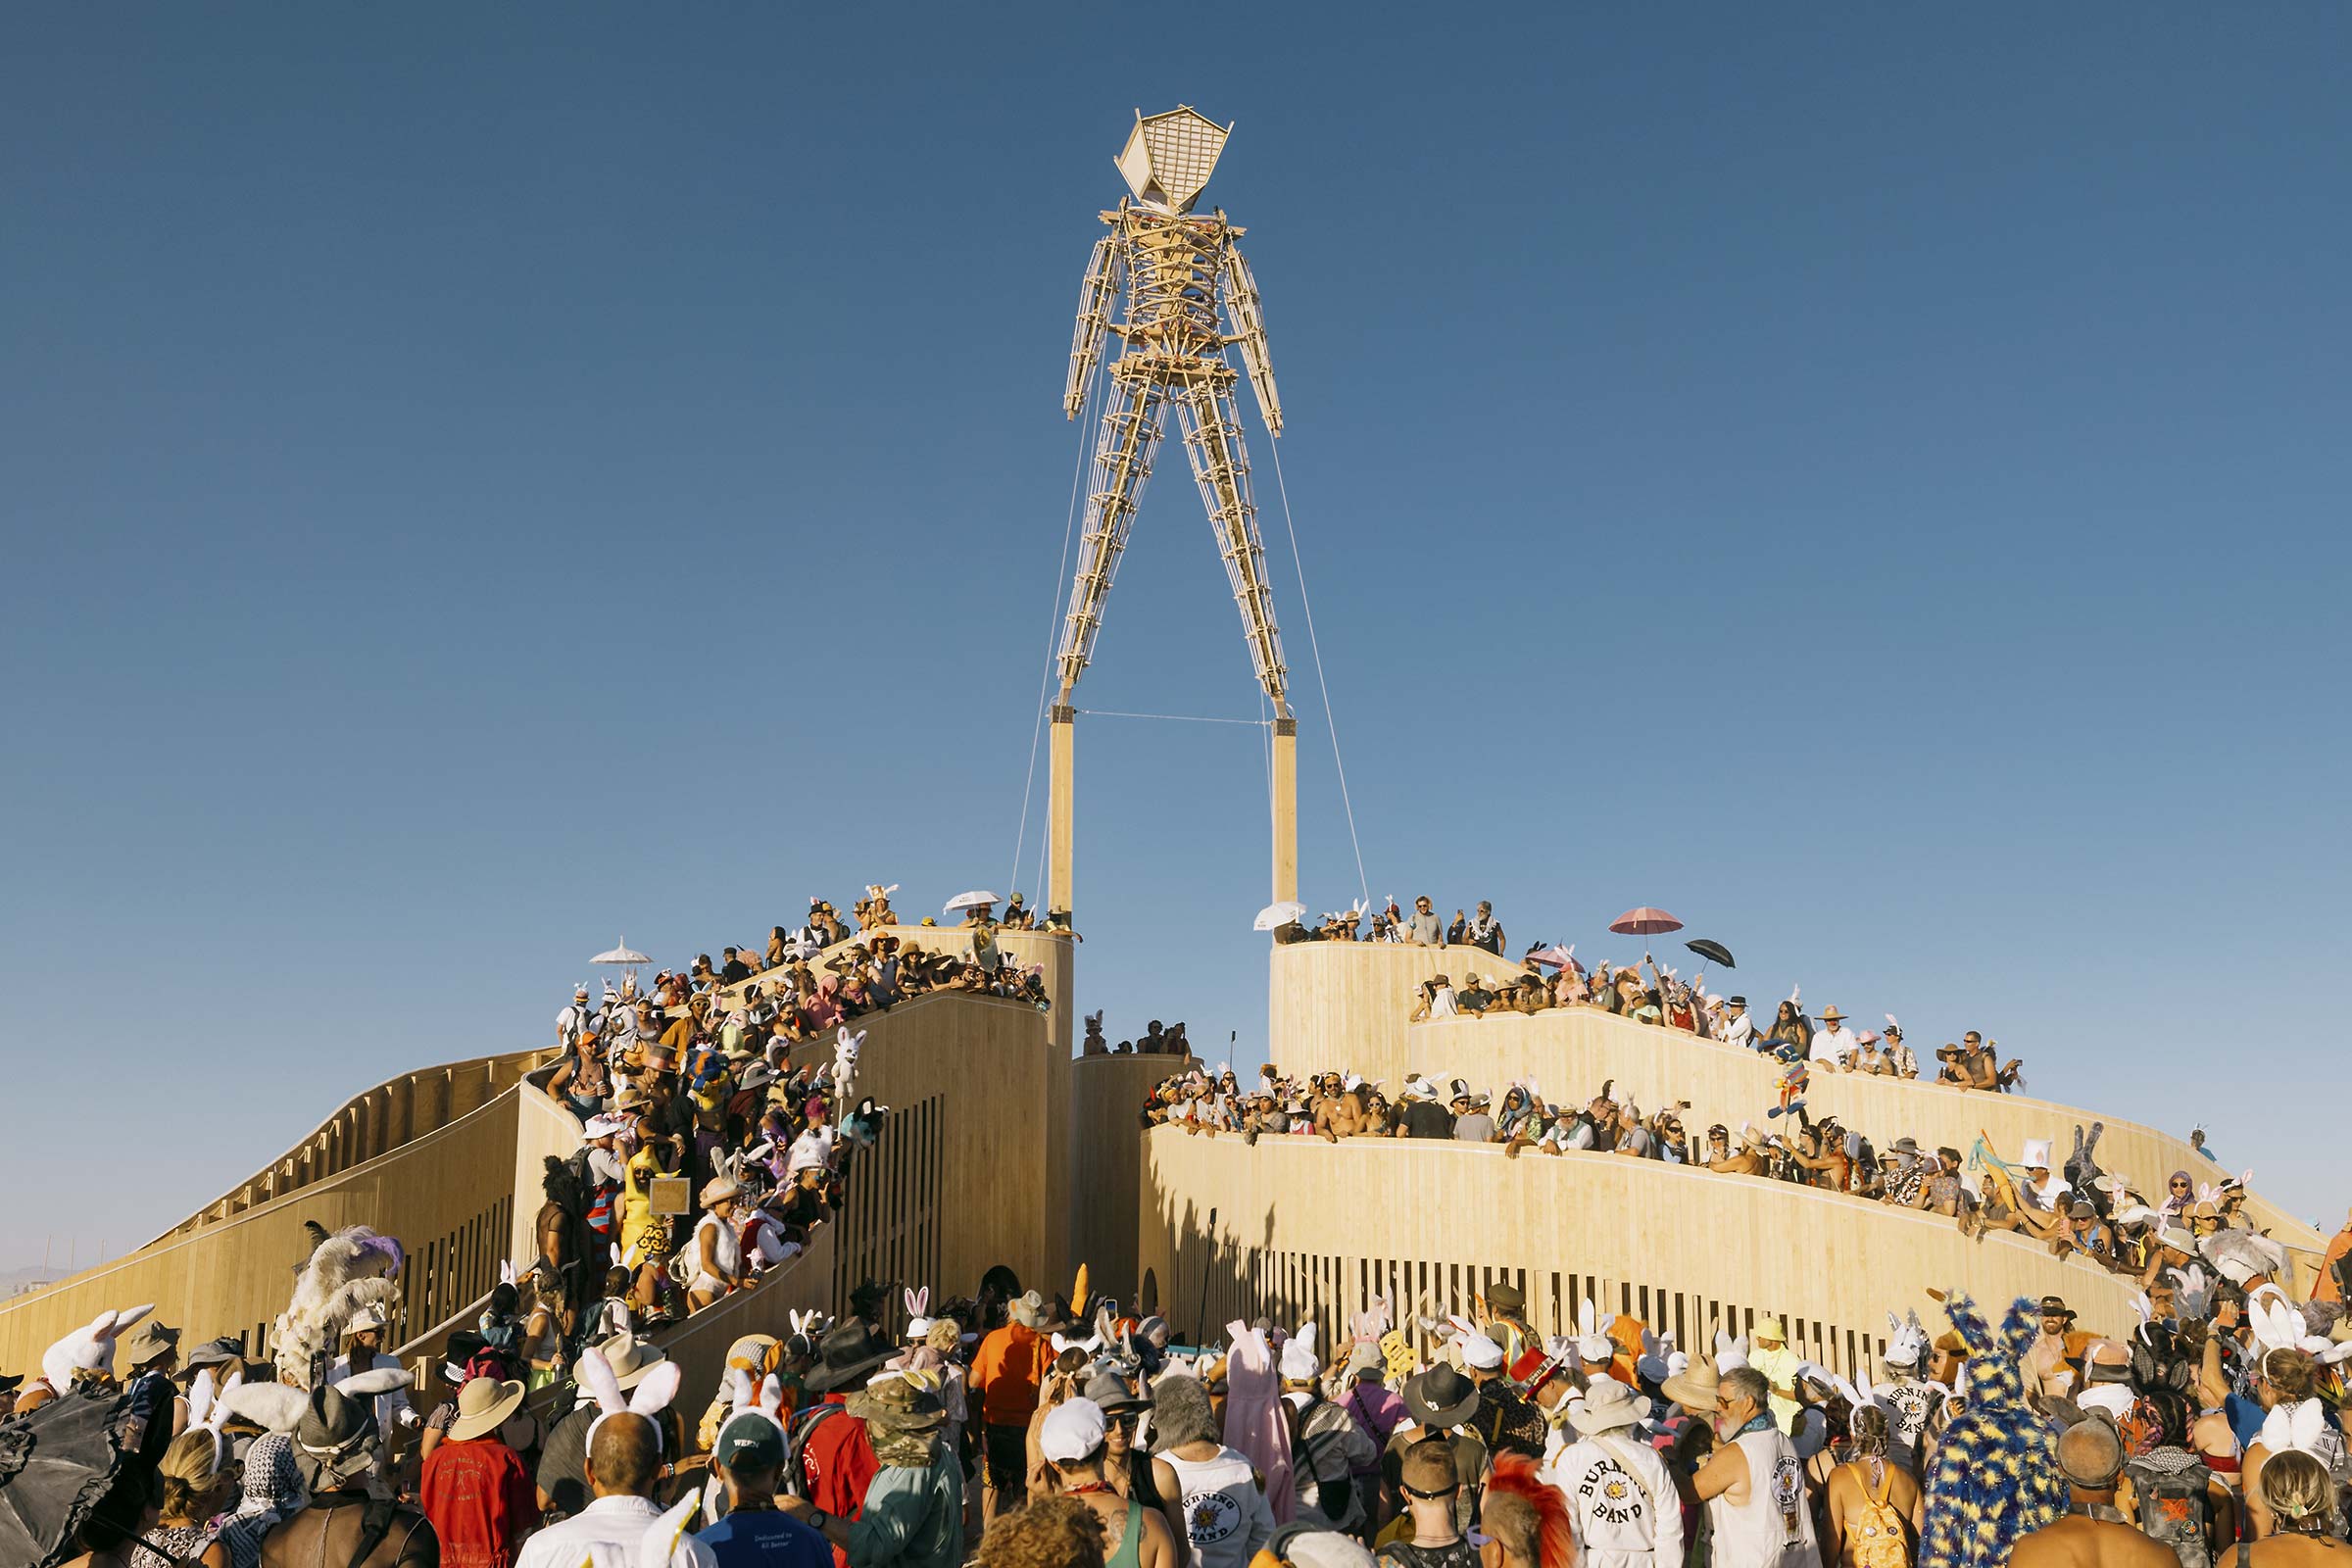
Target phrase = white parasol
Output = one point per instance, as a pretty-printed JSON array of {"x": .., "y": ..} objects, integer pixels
[
  {"x": 627, "y": 958},
  {"x": 974, "y": 900},
  {"x": 1275, "y": 915}
]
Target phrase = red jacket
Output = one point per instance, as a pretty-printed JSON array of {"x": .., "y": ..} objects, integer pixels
[
  {"x": 480, "y": 1500},
  {"x": 838, "y": 1464}
]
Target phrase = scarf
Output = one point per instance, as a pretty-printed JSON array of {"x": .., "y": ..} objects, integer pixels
[{"x": 274, "y": 1490}]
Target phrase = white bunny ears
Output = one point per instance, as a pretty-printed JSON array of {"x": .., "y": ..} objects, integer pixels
[
  {"x": 208, "y": 1408},
  {"x": 918, "y": 1312},
  {"x": 767, "y": 1400},
  {"x": 279, "y": 1406},
  {"x": 649, "y": 1399},
  {"x": 1730, "y": 1353},
  {"x": 1592, "y": 1341},
  {"x": 665, "y": 1542}
]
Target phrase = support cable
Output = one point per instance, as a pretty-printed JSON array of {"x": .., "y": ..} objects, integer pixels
[
  {"x": 1045, "y": 684},
  {"x": 1329, "y": 724},
  {"x": 1182, "y": 718}
]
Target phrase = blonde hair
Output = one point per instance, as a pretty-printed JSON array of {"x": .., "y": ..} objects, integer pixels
[
  {"x": 2296, "y": 1488},
  {"x": 2291, "y": 1373},
  {"x": 190, "y": 1469}
]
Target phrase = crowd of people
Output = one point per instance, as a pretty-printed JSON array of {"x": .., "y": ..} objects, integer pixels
[
  {"x": 2073, "y": 1206},
  {"x": 1651, "y": 993},
  {"x": 1014, "y": 1429}
]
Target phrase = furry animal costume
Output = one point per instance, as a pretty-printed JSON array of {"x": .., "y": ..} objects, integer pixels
[
  {"x": 352, "y": 1268},
  {"x": 1996, "y": 1477}
]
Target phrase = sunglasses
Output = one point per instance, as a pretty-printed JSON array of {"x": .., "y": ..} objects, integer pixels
[{"x": 1428, "y": 1497}]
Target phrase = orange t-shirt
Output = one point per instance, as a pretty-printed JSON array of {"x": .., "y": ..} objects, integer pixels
[{"x": 1007, "y": 1371}]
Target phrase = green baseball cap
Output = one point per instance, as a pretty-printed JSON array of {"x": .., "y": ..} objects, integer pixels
[{"x": 749, "y": 1442}]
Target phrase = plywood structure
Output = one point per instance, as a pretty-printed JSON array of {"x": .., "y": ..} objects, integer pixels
[
  {"x": 1294, "y": 1228},
  {"x": 1345, "y": 1004},
  {"x": 450, "y": 1193}
]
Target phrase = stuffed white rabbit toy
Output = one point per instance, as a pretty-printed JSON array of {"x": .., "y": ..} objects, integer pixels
[
  {"x": 90, "y": 1348},
  {"x": 845, "y": 1061},
  {"x": 649, "y": 1399},
  {"x": 918, "y": 1313}
]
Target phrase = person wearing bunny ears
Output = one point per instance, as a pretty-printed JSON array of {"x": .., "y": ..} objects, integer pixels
[
  {"x": 625, "y": 1450},
  {"x": 756, "y": 1532}
]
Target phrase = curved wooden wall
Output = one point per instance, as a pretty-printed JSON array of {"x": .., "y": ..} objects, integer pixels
[
  {"x": 1572, "y": 1050},
  {"x": 1297, "y": 1228},
  {"x": 1344, "y": 1004},
  {"x": 451, "y": 1194}
]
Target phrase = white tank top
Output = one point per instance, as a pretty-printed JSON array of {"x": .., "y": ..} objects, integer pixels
[
  {"x": 1221, "y": 1505},
  {"x": 1774, "y": 1528}
]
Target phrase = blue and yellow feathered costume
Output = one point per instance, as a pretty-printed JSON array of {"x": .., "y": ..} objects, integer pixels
[{"x": 1995, "y": 1478}]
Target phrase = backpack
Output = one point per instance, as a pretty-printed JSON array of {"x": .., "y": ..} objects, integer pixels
[
  {"x": 1877, "y": 1532},
  {"x": 804, "y": 1427},
  {"x": 2173, "y": 1510}
]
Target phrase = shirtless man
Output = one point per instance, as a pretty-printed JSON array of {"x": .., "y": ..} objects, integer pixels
[
  {"x": 1750, "y": 1161},
  {"x": 2095, "y": 1534},
  {"x": 1339, "y": 1114},
  {"x": 1826, "y": 1167}
]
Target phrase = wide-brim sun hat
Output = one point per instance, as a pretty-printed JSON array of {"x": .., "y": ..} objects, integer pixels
[
  {"x": 1694, "y": 1388},
  {"x": 1608, "y": 1405},
  {"x": 483, "y": 1405},
  {"x": 1441, "y": 1397}
]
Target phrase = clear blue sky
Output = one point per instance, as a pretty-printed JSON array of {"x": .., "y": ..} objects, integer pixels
[{"x": 479, "y": 482}]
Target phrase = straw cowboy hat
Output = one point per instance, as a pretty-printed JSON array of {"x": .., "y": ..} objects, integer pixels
[
  {"x": 630, "y": 1359},
  {"x": 366, "y": 1318},
  {"x": 1694, "y": 1388},
  {"x": 1606, "y": 1406},
  {"x": 1831, "y": 1015},
  {"x": 483, "y": 1405},
  {"x": 1028, "y": 1310},
  {"x": 718, "y": 1189}
]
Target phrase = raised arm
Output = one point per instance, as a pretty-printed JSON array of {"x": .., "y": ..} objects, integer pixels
[
  {"x": 1095, "y": 297},
  {"x": 1249, "y": 334}
]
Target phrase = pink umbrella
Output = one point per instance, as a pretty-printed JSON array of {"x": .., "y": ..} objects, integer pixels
[{"x": 1644, "y": 922}]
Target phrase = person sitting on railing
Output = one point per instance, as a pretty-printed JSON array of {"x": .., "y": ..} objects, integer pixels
[
  {"x": 580, "y": 1080},
  {"x": 1975, "y": 1064}
]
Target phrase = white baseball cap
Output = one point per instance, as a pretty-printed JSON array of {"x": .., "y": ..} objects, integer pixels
[{"x": 1071, "y": 1430}]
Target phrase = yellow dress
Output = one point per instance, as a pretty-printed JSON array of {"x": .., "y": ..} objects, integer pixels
[{"x": 637, "y": 1205}]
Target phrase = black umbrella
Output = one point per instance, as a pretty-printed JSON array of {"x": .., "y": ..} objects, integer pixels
[
  {"x": 1713, "y": 951},
  {"x": 56, "y": 1466}
]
